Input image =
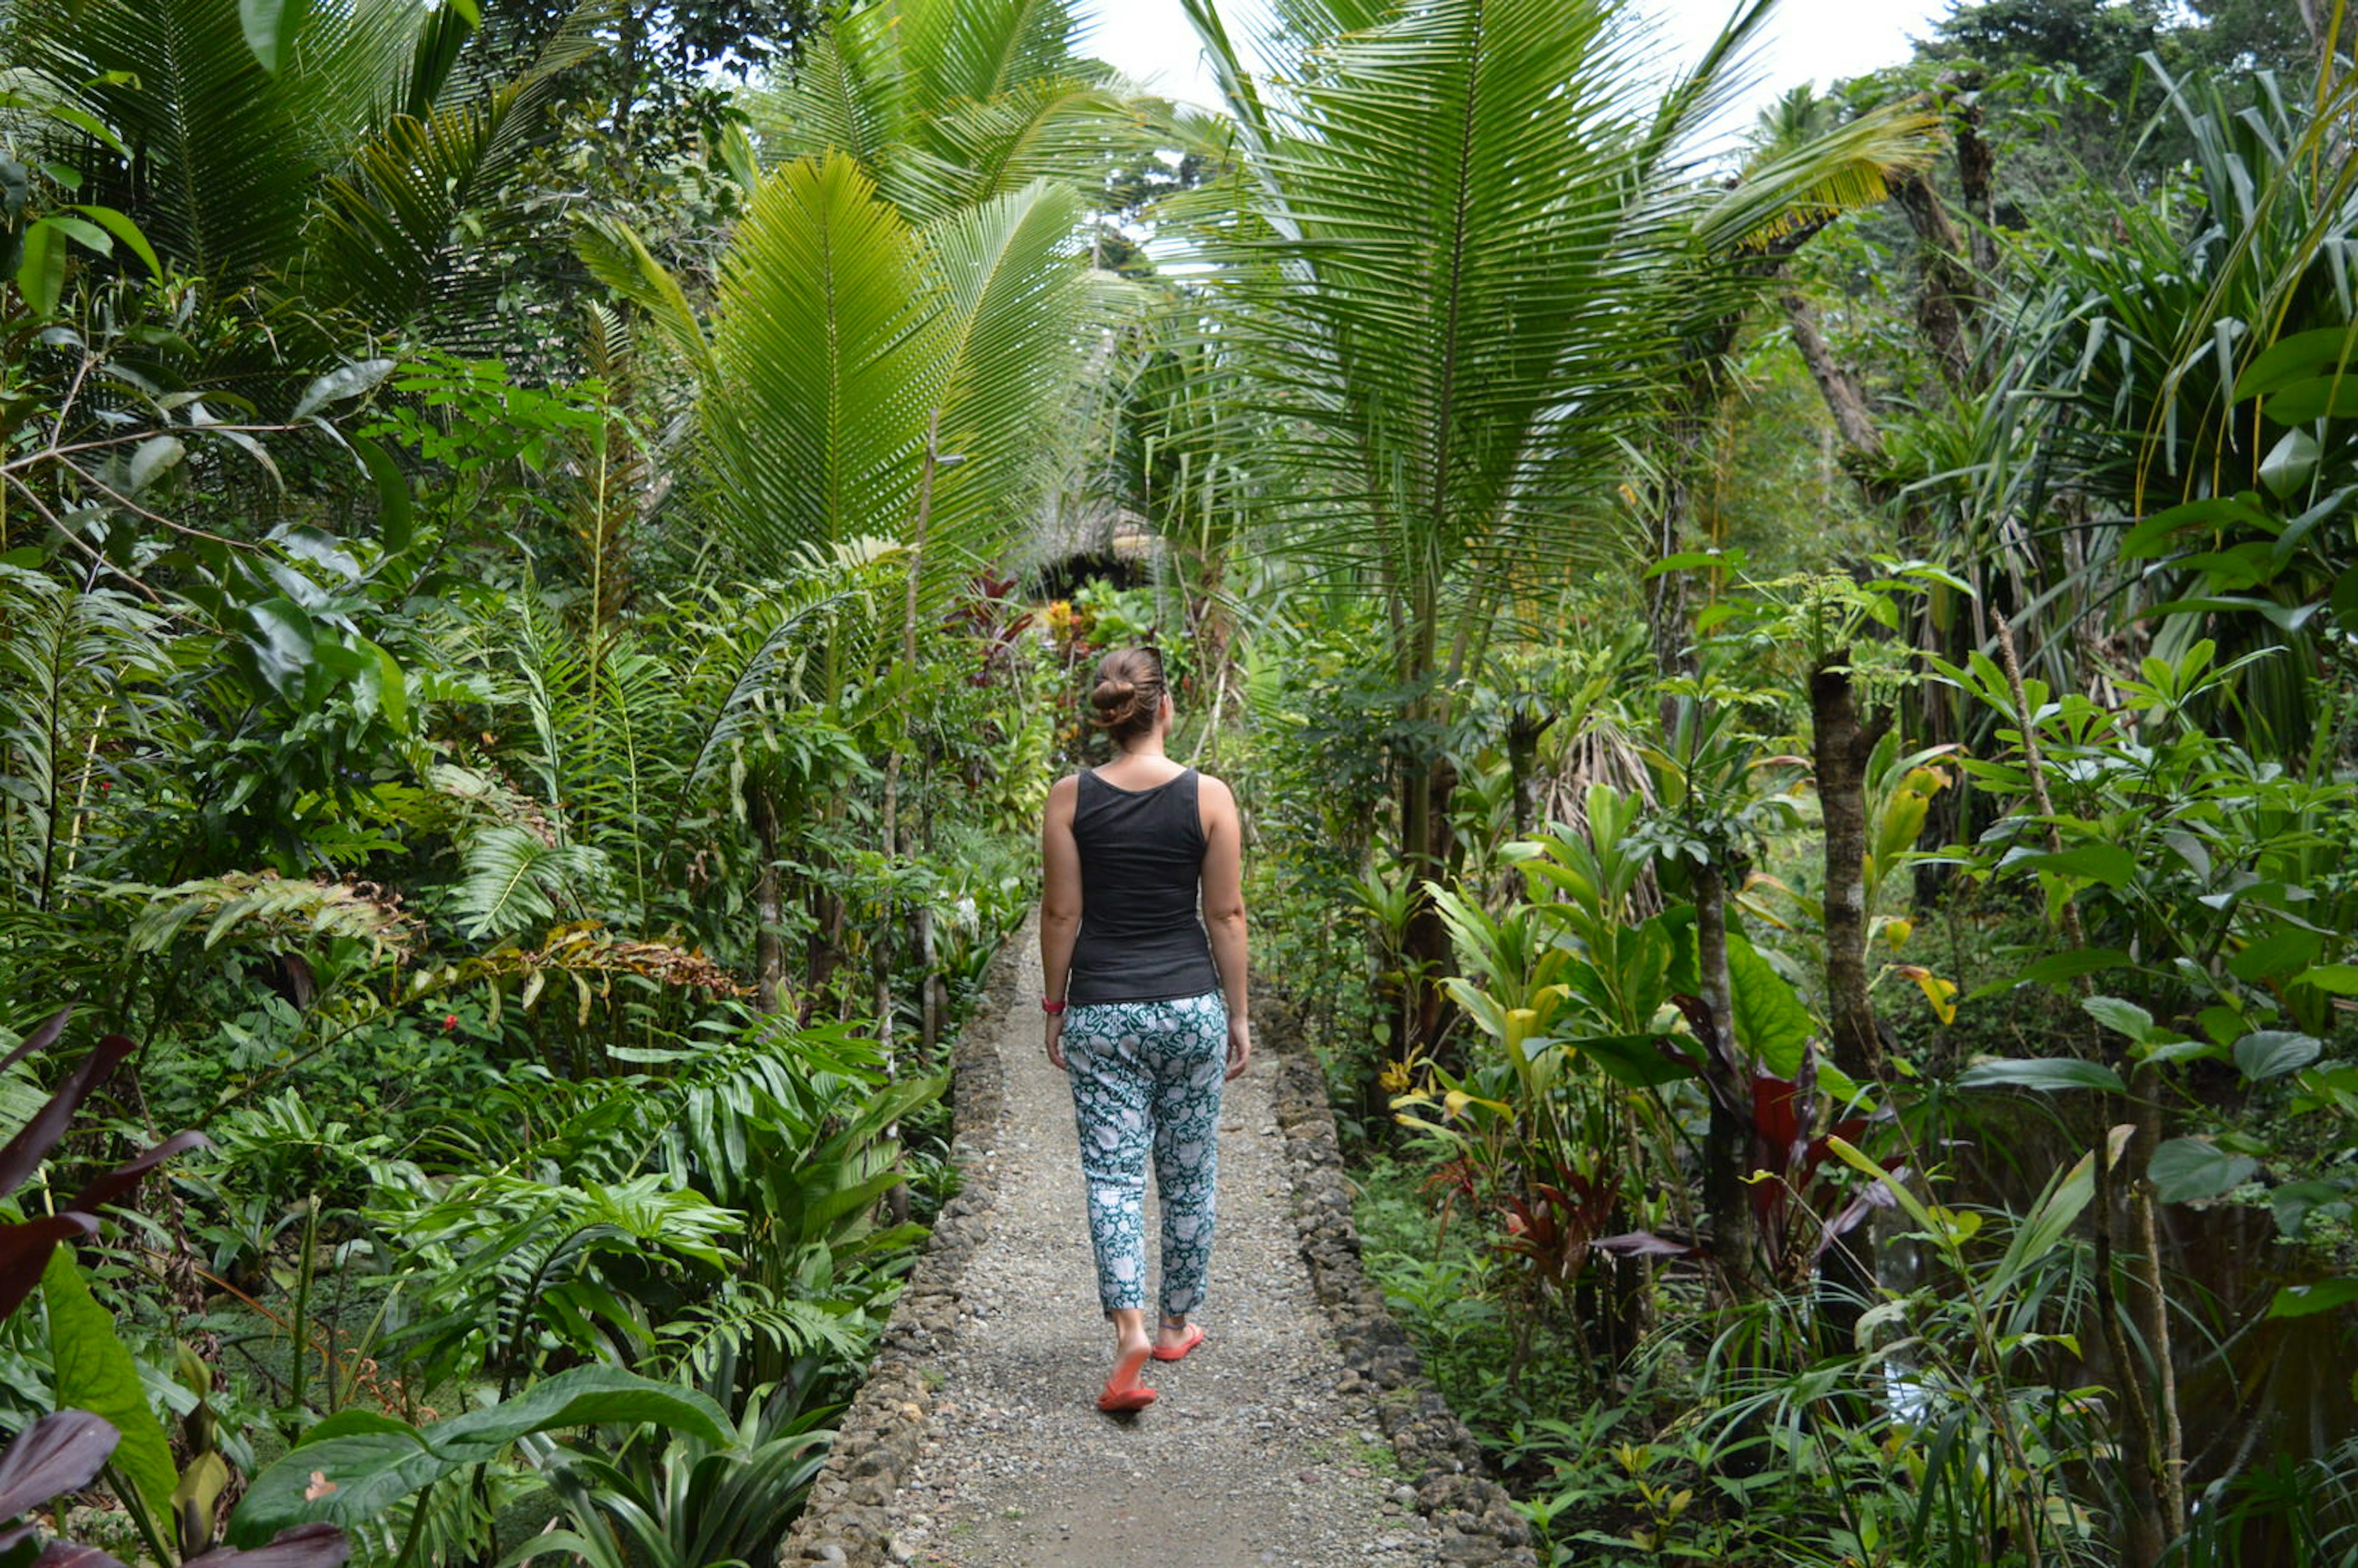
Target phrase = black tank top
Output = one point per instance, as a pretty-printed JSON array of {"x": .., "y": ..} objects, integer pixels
[{"x": 1142, "y": 870}]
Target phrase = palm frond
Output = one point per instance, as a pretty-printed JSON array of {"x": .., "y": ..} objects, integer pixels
[
  {"x": 1456, "y": 338},
  {"x": 824, "y": 370},
  {"x": 617, "y": 258},
  {"x": 1015, "y": 297},
  {"x": 749, "y": 1321},
  {"x": 742, "y": 659},
  {"x": 1801, "y": 183}
]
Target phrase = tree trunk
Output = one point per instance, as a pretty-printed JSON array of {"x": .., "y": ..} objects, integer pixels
[
  {"x": 1841, "y": 748},
  {"x": 1424, "y": 945},
  {"x": 1727, "y": 1142},
  {"x": 769, "y": 945},
  {"x": 1845, "y": 400},
  {"x": 1946, "y": 296},
  {"x": 1976, "y": 164}
]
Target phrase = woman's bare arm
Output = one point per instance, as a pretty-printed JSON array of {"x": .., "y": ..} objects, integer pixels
[
  {"x": 1060, "y": 904},
  {"x": 1224, "y": 911}
]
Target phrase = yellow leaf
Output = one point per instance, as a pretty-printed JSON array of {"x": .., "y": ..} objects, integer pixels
[{"x": 1936, "y": 990}]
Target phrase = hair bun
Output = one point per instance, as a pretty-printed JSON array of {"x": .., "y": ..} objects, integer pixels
[{"x": 1129, "y": 694}]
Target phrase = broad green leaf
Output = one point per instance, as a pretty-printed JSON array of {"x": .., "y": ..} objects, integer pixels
[
  {"x": 2345, "y": 600},
  {"x": 88, "y": 235},
  {"x": 2186, "y": 1170},
  {"x": 2295, "y": 1201},
  {"x": 2120, "y": 1017},
  {"x": 1633, "y": 1061},
  {"x": 2342, "y": 980},
  {"x": 2057, "y": 967},
  {"x": 2283, "y": 951},
  {"x": 2272, "y": 1053},
  {"x": 2324, "y": 397},
  {"x": 41, "y": 268},
  {"x": 284, "y": 645},
  {"x": 1770, "y": 1022},
  {"x": 153, "y": 457},
  {"x": 2096, "y": 862},
  {"x": 271, "y": 29},
  {"x": 373, "y": 1461},
  {"x": 2296, "y": 358},
  {"x": 343, "y": 382},
  {"x": 371, "y": 1470},
  {"x": 2156, "y": 536},
  {"x": 93, "y": 1372},
  {"x": 2290, "y": 463},
  {"x": 586, "y": 1396},
  {"x": 2048, "y": 1074},
  {"x": 2307, "y": 1301},
  {"x": 124, "y": 229},
  {"x": 395, "y": 510}
]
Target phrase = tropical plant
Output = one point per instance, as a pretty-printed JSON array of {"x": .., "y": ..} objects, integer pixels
[{"x": 1456, "y": 355}]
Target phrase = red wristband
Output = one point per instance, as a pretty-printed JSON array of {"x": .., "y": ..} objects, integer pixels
[{"x": 1051, "y": 1007}]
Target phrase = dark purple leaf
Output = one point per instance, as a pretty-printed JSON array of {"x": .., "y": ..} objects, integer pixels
[
  {"x": 319, "y": 1545},
  {"x": 1870, "y": 1197},
  {"x": 1646, "y": 1244},
  {"x": 40, "y": 1039},
  {"x": 24, "y": 1251},
  {"x": 26, "y": 1151},
  {"x": 74, "y": 1554},
  {"x": 60, "y": 1453},
  {"x": 124, "y": 1177}
]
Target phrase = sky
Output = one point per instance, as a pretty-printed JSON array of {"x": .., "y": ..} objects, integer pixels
[{"x": 1818, "y": 40}]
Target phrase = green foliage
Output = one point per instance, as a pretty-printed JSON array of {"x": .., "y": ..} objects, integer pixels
[{"x": 374, "y": 1461}]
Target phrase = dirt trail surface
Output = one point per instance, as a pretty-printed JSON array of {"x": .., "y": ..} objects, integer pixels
[{"x": 1250, "y": 1457}]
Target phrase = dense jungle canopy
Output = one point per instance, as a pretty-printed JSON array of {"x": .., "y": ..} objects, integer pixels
[{"x": 1794, "y": 688}]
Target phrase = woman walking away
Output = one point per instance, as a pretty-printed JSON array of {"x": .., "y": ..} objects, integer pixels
[{"x": 1147, "y": 1024}]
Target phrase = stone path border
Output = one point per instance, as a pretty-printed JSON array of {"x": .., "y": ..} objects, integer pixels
[
  {"x": 849, "y": 1519},
  {"x": 1480, "y": 1522}
]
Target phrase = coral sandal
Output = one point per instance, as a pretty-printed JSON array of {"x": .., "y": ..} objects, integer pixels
[
  {"x": 1123, "y": 1391},
  {"x": 1195, "y": 1337}
]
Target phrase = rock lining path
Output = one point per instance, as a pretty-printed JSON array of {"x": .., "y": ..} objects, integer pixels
[{"x": 1250, "y": 1458}]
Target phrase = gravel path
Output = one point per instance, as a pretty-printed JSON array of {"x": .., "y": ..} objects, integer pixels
[{"x": 1250, "y": 1458}]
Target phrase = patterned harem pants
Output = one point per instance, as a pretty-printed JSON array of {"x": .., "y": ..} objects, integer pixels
[{"x": 1149, "y": 1074}]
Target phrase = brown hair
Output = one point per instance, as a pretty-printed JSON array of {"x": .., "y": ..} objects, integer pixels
[{"x": 1129, "y": 693}]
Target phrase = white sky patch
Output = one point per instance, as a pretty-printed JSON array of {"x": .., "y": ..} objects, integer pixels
[{"x": 1808, "y": 40}]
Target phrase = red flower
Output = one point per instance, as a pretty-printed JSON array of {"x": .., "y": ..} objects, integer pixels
[{"x": 450, "y": 1023}]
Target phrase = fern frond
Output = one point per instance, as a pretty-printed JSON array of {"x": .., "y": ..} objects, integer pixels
[
  {"x": 750, "y": 1320},
  {"x": 262, "y": 907},
  {"x": 513, "y": 880}
]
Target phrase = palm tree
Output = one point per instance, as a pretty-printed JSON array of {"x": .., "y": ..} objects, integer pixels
[
  {"x": 948, "y": 104},
  {"x": 1473, "y": 261},
  {"x": 323, "y": 162},
  {"x": 903, "y": 313}
]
